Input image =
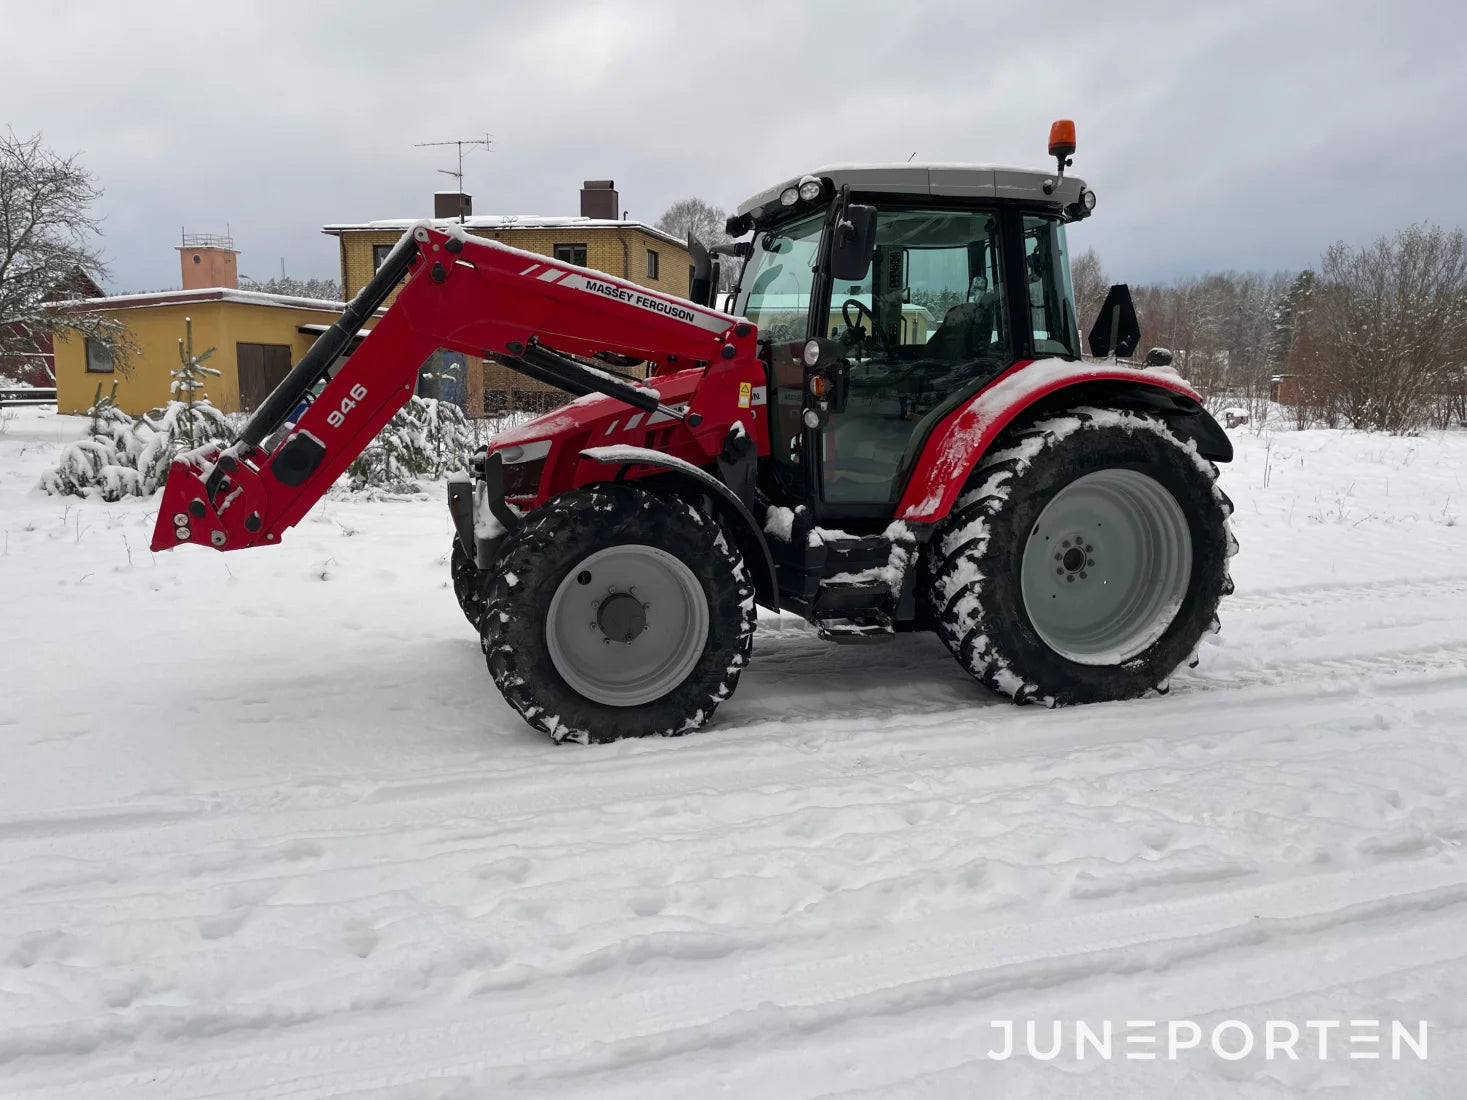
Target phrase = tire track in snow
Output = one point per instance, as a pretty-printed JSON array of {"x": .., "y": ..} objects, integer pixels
[
  {"x": 1327, "y": 592},
  {"x": 695, "y": 766},
  {"x": 1410, "y": 659},
  {"x": 455, "y": 840},
  {"x": 657, "y": 1016}
]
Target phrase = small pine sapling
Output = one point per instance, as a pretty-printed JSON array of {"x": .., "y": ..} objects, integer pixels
[
  {"x": 425, "y": 439},
  {"x": 187, "y": 386},
  {"x": 190, "y": 419}
]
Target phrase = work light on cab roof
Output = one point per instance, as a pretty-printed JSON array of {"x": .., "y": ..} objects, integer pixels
[{"x": 901, "y": 337}]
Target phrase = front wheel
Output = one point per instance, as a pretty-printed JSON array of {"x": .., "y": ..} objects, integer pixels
[
  {"x": 469, "y": 584},
  {"x": 617, "y": 612},
  {"x": 1085, "y": 562}
]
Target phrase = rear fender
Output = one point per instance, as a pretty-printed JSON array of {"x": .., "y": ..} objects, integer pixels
[
  {"x": 737, "y": 520},
  {"x": 962, "y": 438}
]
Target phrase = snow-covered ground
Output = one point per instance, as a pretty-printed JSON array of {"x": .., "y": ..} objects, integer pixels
[{"x": 267, "y": 829}]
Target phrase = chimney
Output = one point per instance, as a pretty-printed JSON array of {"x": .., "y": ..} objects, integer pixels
[
  {"x": 452, "y": 204},
  {"x": 599, "y": 199},
  {"x": 208, "y": 260}
]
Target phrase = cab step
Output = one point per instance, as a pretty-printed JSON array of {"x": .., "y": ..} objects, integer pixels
[
  {"x": 855, "y": 631},
  {"x": 853, "y": 611}
]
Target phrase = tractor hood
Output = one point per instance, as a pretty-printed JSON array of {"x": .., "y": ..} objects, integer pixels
[{"x": 541, "y": 445}]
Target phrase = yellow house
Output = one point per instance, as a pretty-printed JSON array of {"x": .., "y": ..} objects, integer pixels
[
  {"x": 256, "y": 339},
  {"x": 598, "y": 238}
]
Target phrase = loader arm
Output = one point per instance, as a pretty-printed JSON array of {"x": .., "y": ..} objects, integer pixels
[{"x": 463, "y": 294}]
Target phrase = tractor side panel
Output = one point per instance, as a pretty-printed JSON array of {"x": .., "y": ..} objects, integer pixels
[
  {"x": 720, "y": 398},
  {"x": 960, "y": 440}
]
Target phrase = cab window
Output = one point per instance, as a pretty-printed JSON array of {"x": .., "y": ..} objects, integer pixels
[{"x": 1051, "y": 297}]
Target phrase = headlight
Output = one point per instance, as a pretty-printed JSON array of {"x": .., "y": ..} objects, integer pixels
[
  {"x": 523, "y": 465},
  {"x": 810, "y": 188},
  {"x": 789, "y": 196},
  {"x": 811, "y": 354},
  {"x": 1087, "y": 199},
  {"x": 523, "y": 452},
  {"x": 523, "y": 478}
]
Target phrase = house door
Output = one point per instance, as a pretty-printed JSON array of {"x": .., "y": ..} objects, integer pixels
[{"x": 262, "y": 367}]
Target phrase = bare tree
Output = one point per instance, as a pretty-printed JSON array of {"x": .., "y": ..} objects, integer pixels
[
  {"x": 46, "y": 240},
  {"x": 706, "y": 223},
  {"x": 697, "y": 217},
  {"x": 1089, "y": 279},
  {"x": 326, "y": 290},
  {"x": 1389, "y": 326}
]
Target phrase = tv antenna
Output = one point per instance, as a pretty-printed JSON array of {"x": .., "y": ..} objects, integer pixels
[{"x": 458, "y": 175}]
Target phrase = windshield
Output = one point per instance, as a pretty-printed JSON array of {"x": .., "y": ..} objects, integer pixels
[{"x": 774, "y": 290}]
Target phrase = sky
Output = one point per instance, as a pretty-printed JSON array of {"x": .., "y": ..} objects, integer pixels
[{"x": 1246, "y": 135}]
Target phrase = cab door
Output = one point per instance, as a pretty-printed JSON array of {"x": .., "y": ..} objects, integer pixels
[{"x": 927, "y": 326}]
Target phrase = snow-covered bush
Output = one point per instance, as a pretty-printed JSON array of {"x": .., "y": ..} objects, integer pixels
[
  {"x": 105, "y": 460},
  {"x": 124, "y": 456},
  {"x": 426, "y": 439}
]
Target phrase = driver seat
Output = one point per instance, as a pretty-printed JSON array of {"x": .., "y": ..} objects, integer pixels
[{"x": 966, "y": 331}]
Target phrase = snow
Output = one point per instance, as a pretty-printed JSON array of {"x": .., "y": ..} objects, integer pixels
[
  {"x": 206, "y": 294},
  {"x": 629, "y": 454},
  {"x": 503, "y": 223},
  {"x": 779, "y": 523},
  {"x": 267, "y": 829}
]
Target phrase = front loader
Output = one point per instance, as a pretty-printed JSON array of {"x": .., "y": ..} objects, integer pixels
[{"x": 892, "y": 428}]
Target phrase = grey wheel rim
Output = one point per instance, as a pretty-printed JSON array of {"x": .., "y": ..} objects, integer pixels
[
  {"x": 627, "y": 625},
  {"x": 1106, "y": 567}
]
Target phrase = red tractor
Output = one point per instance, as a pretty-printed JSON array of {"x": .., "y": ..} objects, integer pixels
[{"x": 890, "y": 429}]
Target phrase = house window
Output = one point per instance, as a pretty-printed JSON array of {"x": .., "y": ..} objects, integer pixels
[
  {"x": 571, "y": 254},
  {"x": 651, "y": 264},
  {"x": 99, "y": 357},
  {"x": 379, "y": 254}
]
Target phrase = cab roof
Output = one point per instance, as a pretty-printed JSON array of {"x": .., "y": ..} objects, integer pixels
[{"x": 966, "y": 181}]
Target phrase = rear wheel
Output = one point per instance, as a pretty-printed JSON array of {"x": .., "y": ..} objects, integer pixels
[
  {"x": 1085, "y": 562},
  {"x": 617, "y": 612}
]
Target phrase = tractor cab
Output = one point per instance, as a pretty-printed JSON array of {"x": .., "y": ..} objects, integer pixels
[{"x": 889, "y": 296}]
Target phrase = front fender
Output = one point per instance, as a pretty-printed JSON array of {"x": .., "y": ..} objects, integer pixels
[{"x": 962, "y": 438}]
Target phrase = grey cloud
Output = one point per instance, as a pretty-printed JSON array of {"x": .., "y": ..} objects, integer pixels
[{"x": 1246, "y": 135}]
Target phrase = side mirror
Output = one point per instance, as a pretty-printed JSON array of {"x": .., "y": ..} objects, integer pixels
[
  {"x": 1116, "y": 330},
  {"x": 855, "y": 238},
  {"x": 701, "y": 284},
  {"x": 1158, "y": 357}
]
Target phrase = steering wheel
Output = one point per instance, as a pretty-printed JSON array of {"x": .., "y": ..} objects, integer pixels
[{"x": 861, "y": 307}]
